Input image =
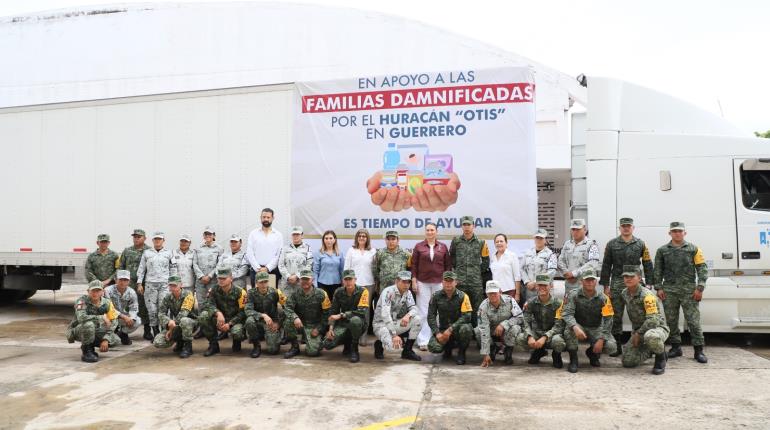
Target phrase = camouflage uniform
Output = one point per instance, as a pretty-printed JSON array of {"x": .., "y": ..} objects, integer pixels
[
  {"x": 205, "y": 264},
  {"x": 125, "y": 304},
  {"x": 533, "y": 264},
  {"x": 353, "y": 308},
  {"x": 291, "y": 261},
  {"x": 644, "y": 311},
  {"x": 387, "y": 264},
  {"x": 182, "y": 311},
  {"x": 313, "y": 310},
  {"x": 129, "y": 260},
  {"x": 154, "y": 269},
  {"x": 231, "y": 304},
  {"x": 507, "y": 314},
  {"x": 101, "y": 267},
  {"x": 183, "y": 263},
  {"x": 577, "y": 258},
  {"x": 543, "y": 319},
  {"x": 391, "y": 307},
  {"x": 454, "y": 311},
  {"x": 676, "y": 268},
  {"x": 470, "y": 261},
  {"x": 88, "y": 326},
  {"x": 238, "y": 264},
  {"x": 593, "y": 315},
  {"x": 258, "y": 303}
]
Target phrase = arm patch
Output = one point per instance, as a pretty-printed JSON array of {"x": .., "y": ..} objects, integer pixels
[
  {"x": 698, "y": 258},
  {"x": 607, "y": 310},
  {"x": 650, "y": 305},
  {"x": 364, "y": 302},
  {"x": 466, "y": 306}
]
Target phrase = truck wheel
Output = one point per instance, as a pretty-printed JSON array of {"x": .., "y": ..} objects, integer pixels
[
  {"x": 25, "y": 294},
  {"x": 10, "y": 296}
]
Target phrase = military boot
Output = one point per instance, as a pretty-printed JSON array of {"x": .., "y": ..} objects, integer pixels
[
  {"x": 256, "y": 351},
  {"x": 573, "y": 362},
  {"x": 236, "y": 345},
  {"x": 699, "y": 356},
  {"x": 460, "y": 356},
  {"x": 213, "y": 348},
  {"x": 660, "y": 364},
  {"x": 155, "y": 331},
  {"x": 293, "y": 351},
  {"x": 675, "y": 351},
  {"x": 88, "y": 354},
  {"x": 408, "y": 352},
  {"x": 354, "y": 357},
  {"x": 178, "y": 346},
  {"x": 592, "y": 357},
  {"x": 556, "y": 357},
  {"x": 124, "y": 339},
  {"x": 536, "y": 355},
  {"x": 379, "y": 351},
  {"x": 508, "y": 355},
  {"x": 186, "y": 349},
  {"x": 447, "y": 353},
  {"x": 147, "y": 333},
  {"x": 493, "y": 351},
  {"x": 346, "y": 348}
]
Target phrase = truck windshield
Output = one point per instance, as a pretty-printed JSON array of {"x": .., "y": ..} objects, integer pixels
[{"x": 755, "y": 184}]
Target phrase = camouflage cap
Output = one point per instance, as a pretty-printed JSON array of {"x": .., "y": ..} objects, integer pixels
[
  {"x": 123, "y": 274},
  {"x": 467, "y": 219},
  {"x": 449, "y": 274},
  {"x": 174, "y": 280},
  {"x": 405, "y": 275},
  {"x": 577, "y": 223},
  {"x": 186, "y": 237},
  {"x": 262, "y": 276},
  {"x": 306, "y": 273},
  {"x": 393, "y": 233},
  {"x": 492, "y": 287},
  {"x": 235, "y": 238},
  {"x": 543, "y": 279},
  {"x": 138, "y": 232},
  {"x": 158, "y": 235},
  {"x": 297, "y": 229},
  {"x": 589, "y": 273},
  {"x": 348, "y": 273},
  {"x": 95, "y": 285},
  {"x": 626, "y": 221},
  {"x": 209, "y": 229},
  {"x": 631, "y": 270},
  {"x": 541, "y": 232},
  {"x": 224, "y": 271},
  {"x": 103, "y": 238},
  {"x": 676, "y": 225}
]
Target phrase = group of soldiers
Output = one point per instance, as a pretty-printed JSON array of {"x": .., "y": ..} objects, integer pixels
[{"x": 465, "y": 308}]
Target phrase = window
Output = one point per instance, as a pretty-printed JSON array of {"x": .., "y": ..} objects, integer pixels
[{"x": 755, "y": 184}]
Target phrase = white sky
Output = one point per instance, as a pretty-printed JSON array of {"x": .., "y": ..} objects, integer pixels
[{"x": 707, "y": 52}]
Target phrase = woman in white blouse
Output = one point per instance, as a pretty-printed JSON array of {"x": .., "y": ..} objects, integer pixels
[
  {"x": 504, "y": 265},
  {"x": 360, "y": 259}
]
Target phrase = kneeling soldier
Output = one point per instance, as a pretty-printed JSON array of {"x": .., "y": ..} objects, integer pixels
[
  {"x": 499, "y": 318},
  {"x": 94, "y": 318},
  {"x": 346, "y": 322},
  {"x": 307, "y": 310},
  {"x": 262, "y": 317},
  {"x": 649, "y": 330},
  {"x": 543, "y": 325},
  {"x": 177, "y": 318},
  {"x": 588, "y": 316},
  {"x": 453, "y": 328},
  {"x": 126, "y": 302},
  {"x": 223, "y": 311},
  {"x": 396, "y": 314}
]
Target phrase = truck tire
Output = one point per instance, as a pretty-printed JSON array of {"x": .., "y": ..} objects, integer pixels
[{"x": 10, "y": 296}]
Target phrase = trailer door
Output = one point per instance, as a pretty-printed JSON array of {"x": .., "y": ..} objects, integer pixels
[{"x": 752, "y": 207}]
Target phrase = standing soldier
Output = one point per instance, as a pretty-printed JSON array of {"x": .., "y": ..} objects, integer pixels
[
  {"x": 453, "y": 327},
  {"x": 129, "y": 260},
  {"x": 348, "y": 313},
  {"x": 102, "y": 263},
  {"x": 681, "y": 274},
  {"x": 397, "y": 314},
  {"x": 223, "y": 311},
  {"x": 543, "y": 324},
  {"x": 177, "y": 318},
  {"x": 235, "y": 257},
  {"x": 621, "y": 251},
  {"x": 205, "y": 264},
  {"x": 94, "y": 318},
  {"x": 499, "y": 320},
  {"x": 648, "y": 324},
  {"x": 126, "y": 303},
  {"x": 152, "y": 277},
  {"x": 183, "y": 261},
  {"x": 588, "y": 316},
  {"x": 470, "y": 260},
  {"x": 263, "y": 320},
  {"x": 578, "y": 255},
  {"x": 293, "y": 259},
  {"x": 307, "y": 313},
  {"x": 388, "y": 262},
  {"x": 539, "y": 259}
]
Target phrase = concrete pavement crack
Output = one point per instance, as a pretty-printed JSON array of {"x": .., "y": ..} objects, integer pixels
[{"x": 427, "y": 395}]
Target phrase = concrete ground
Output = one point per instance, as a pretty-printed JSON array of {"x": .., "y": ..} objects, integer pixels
[{"x": 43, "y": 384}]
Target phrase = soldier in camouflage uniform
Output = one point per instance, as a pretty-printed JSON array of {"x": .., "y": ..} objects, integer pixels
[
  {"x": 621, "y": 251},
  {"x": 543, "y": 324},
  {"x": 94, "y": 323},
  {"x": 223, "y": 310},
  {"x": 537, "y": 260},
  {"x": 347, "y": 315},
  {"x": 681, "y": 274},
  {"x": 263, "y": 317},
  {"x": 397, "y": 314},
  {"x": 294, "y": 258},
  {"x": 102, "y": 263},
  {"x": 152, "y": 277},
  {"x": 649, "y": 330},
  {"x": 470, "y": 261},
  {"x": 578, "y": 255},
  {"x": 449, "y": 318},
  {"x": 235, "y": 257},
  {"x": 499, "y": 320},
  {"x": 129, "y": 260},
  {"x": 307, "y": 313},
  {"x": 183, "y": 263},
  {"x": 388, "y": 262},
  {"x": 126, "y": 303},
  {"x": 205, "y": 262},
  {"x": 177, "y": 317},
  {"x": 587, "y": 316}
]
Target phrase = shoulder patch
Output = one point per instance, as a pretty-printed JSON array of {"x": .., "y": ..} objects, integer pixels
[
  {"x": 607, "y": 310},
  {"x": 325, "y": 304},
  {"x": 646, "y": 254},
  {"x": 466, "y": 306},
  {"x": 650, "y": 304},
  {"x": 189, "y": 302},
  {"x": 558, "y": 311},
  {"x": 111, "y": 312},
  {"x": 484, "y": 249},
  {"x": 281, "y": 297},
  {"x": 242, "y": 299},
  {"x": 80, "y": 304},
  {"x": 364, "y": 301},
  {"x": 698, "y": 258}
]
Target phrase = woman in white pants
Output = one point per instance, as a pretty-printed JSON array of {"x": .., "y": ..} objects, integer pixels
[{"x": 430, "y": 259}]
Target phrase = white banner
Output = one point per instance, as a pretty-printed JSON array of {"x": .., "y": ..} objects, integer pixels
[{"x": 395, "y": 152}]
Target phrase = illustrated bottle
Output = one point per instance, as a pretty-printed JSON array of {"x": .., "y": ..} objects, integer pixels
[{"x": 391, "y": 158}]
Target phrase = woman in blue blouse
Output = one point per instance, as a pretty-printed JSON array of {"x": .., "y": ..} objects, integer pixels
[{"x": 328, "y": 264}]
